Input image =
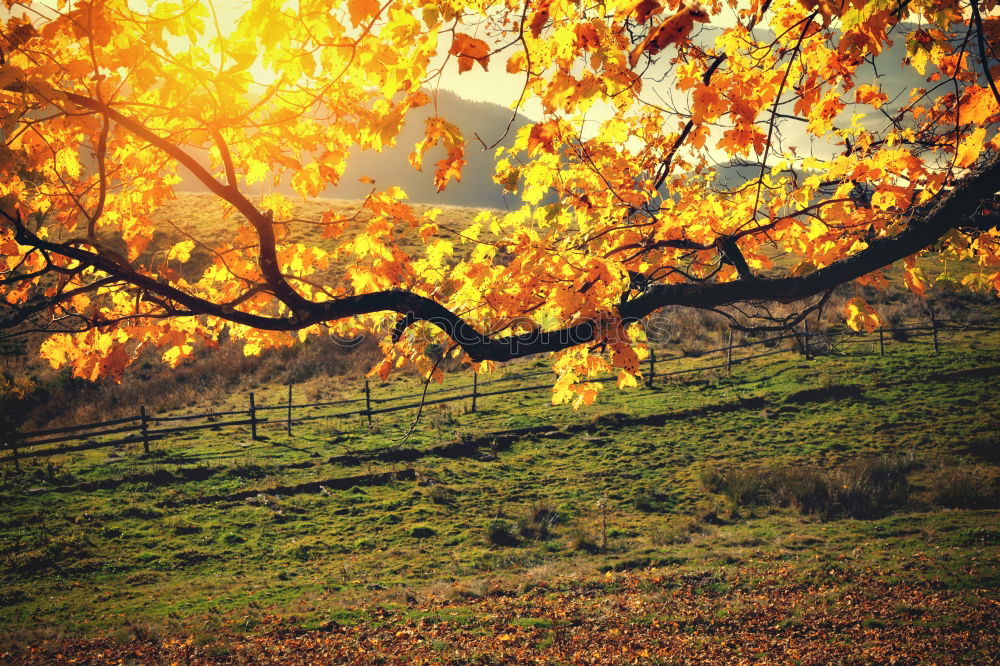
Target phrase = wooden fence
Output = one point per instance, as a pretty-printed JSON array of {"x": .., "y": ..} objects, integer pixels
[{"x": 145, "y": 428}]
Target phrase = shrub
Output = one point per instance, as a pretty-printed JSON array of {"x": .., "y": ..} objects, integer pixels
[
  {"x": 441, "y": 495},
  {"x": 866, "y": 488},
  {"x": 581, "y": 538},
  {"x": 650, "y": 498},
  {"x": 744, "y": 486},
  {"x": 896, "y": 323},
  {"x": 501, "y": 533},
  {"x": 538, "y": 521},
  {"x": 710, "y": 513},
  {"x": 676, "y": 533},
  {"x": 964, "y": 488}
]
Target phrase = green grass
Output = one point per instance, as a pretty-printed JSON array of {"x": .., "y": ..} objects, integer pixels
[{"x": 212, "y": 525}]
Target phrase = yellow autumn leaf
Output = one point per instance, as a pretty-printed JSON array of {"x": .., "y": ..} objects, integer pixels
[
  {"x": 970, "y": 148},
  {"x": 176, "y": 354},
  {"x": 914, "y": 277},
  {"x": 626, "y": 380},
  {"x": 860, "y": 315},
  {"x": 181, "y": 251}
]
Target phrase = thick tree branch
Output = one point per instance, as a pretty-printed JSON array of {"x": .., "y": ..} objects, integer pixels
[
  {"x": 24, "y": 312},
  {"x": 261, "y": 222},
  {"x": 922, "y": 230}
]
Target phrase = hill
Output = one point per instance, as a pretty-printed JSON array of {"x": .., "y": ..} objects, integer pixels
[
  {"x": 391, "y": 166},
  {"x": 837, "y": 509}
]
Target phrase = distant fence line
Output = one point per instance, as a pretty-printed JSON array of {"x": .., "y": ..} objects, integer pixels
[{"x": 146, "y": 428}]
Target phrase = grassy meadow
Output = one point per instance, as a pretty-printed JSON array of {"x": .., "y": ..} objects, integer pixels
[{"x": 841, "y": 509}]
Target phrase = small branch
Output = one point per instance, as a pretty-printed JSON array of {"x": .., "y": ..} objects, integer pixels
[
  {"x": 102, "y": 175},
  {"x": 982, "y": 48},
  {"x": 227, "y": 158},
  {"x": 731, "y": 254}
]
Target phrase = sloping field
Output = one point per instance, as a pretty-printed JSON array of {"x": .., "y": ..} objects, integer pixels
[{"x": 842, "y": 508}]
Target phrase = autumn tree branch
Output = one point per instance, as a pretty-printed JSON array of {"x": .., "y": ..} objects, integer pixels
[{"x": 923, "y": 228}]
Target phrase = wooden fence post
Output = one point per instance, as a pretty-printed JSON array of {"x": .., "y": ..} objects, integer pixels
[
  {"x": 729, "y": 355},
  {"x": 368, "y": 402},
  {"x": 289, "y": 409},
  {"x": 652, "y": 367},
  {"x": 475, "y": 390},
  {"x": 805, "y": 338},
  {"x": 12, "y": 443},
  {"x": 253, "y": 418},
  {"x": 934, "y": 329},
  {"x": 144, "y": 428},
  {"x": 881, "y": 340}
]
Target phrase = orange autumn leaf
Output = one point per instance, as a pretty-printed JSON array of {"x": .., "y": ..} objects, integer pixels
[
  {"x": 449, "y": 167},
  {"x": 516, "y": 63},
  {"x": 362, "y": 10},
  {"x": 646, "y": 8},
  {"x": 543, "y": 136},
  {"x": 870, "y": 93},
  {"x": 673, "y": 30},
  {"x": 469, "y": 50},
  {"x": 586, "y": 37},
  {"x": 540, "y": 17},
  {"x": 977, "y": 105},
  {"x": 707, "y": 104}
]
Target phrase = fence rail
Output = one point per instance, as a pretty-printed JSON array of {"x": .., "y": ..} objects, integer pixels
[{"x": 20, "y": 445}]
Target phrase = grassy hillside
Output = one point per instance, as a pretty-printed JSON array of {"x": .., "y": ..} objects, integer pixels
[{"x": 842, "y": 508}]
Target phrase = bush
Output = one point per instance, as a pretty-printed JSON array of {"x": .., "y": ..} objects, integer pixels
[
  {"x": 441, "y": 495},
  {"x": 742, "y": 486},
  {"x": 964, "y": 488},
  {"x": 896, "y": 323},
  {"x": 501, "y": 533},
  {"x": 651, "y": 499},
  {"x": 710, "y": 513},
  {"x": 677, "y": 532},
  {"x": 538, "y": 521},
  {"x": 581, "y": 538},
  {"x": 866, "y": 488}
]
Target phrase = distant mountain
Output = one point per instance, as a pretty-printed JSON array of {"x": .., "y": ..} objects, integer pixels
[
  {"x": 392, "y": 167},
  {"x": 488, "y": 120}
]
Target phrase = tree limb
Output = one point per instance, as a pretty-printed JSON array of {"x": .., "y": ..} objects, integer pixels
[{"x": 924, "y": 227}]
